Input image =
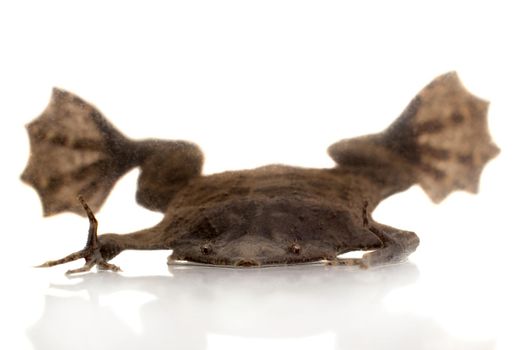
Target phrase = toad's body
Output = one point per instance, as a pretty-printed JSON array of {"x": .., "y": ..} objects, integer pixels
[
  {"x": 266, "y": 216},
  {"x": 269, "y": 215}
]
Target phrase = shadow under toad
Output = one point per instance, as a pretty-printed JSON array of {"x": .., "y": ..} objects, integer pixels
[{"x": 273, "y": 303}]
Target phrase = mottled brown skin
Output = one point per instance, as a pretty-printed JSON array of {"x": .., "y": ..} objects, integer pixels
[
  {"x": 266, "y": 216},
  {"x": 269, "y": 215}
]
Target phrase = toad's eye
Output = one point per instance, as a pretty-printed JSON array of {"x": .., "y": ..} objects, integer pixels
[
  {"x": 206, "y": 249},
  {"x": 295, "y": 248}
]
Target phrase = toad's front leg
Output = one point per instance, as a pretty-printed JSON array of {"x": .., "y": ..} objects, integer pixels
[
  {"x": 100, "y": 249},
  {"x": 96, "y": 252},
  {"x": 397, "y": 246}
]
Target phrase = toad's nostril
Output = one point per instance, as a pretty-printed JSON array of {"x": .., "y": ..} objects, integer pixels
[
  {"x": 206, "y": 249},
  {"x": 247, "y": 263}
]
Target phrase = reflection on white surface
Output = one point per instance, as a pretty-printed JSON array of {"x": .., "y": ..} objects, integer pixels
[
  {"x": 320, "y": 341},
  {"x": 209, "y": 308}
]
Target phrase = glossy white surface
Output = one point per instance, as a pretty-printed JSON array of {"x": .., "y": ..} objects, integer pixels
[
  {"x": 204, "y": 308},
  {"x": 256, "y": 83}
]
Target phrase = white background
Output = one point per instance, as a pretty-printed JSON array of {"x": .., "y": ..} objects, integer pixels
[{"x": 257, "y": 82}]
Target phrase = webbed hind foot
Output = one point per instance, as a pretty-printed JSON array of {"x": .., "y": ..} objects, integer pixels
[{"x": 91, "y": 252}]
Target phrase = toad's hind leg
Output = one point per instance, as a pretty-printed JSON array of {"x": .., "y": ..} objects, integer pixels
[
  {"x": 76, "y": 151},
  {"x": 397, "y": 246},
  {"x": 441, "y": 141}
]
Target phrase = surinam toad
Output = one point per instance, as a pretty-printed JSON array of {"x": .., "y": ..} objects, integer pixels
[{"x": 271, "y": 215}]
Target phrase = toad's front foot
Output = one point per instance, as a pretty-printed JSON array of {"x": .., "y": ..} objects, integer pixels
[
  {"x": 346, "y": 262},
  {"x": 92, "y": 252}
]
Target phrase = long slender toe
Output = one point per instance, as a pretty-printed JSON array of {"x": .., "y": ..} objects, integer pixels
[
  {"x": 104, "y": 265},
  {"x": 87, "y": 267},
  {"x": 344, "y": 262}
]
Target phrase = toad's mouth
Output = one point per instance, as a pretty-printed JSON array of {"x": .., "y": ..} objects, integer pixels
[
  {"x": 247, "y": 263},
  {"x": 243, "y": 262}
]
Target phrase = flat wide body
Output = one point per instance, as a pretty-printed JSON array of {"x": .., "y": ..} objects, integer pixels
[{"x": 267, "y": 216}]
